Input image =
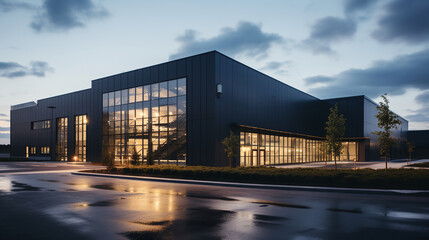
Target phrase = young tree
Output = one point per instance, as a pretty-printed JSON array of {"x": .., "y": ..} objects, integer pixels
[
  {"x": 410, "y": 148},
  {"x": 108, "y": 159},
  {"x": 335, "y": 130},
  {"x": 232, "y": 145},
  {"x": 135, "y": 156},
  {"x": 387, "y": 121},
  {"x": 324, "y": 149}
]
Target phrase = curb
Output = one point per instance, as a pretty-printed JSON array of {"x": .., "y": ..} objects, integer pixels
[{"x": 259, "y": 186}]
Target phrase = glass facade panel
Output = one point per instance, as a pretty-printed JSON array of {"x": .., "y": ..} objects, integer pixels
[
  {"x": 152, "y": 120},
  {"x": 258, "y": 149},
  {"x": 41, "y": 125},
  {"x": 80, "y": 138},
  {"x": 62, "y": 132},
  {"x": 139, "y": 94}
]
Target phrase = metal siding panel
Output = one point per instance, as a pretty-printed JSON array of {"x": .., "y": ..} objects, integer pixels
[
  {"x": 146, "y": 76},
  {"x": 131, "y": 79},
  {"x": 138, "y": 77},
  {"x": 154, "y": 74},
  {"x": 162, "y": 72},
  {"x": 172, "y": 70}
]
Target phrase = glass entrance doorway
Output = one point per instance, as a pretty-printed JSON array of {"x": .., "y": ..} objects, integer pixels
[{"x": 261, "y": 157}]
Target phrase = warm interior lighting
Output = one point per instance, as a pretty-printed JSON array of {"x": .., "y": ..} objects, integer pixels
[
  {"x": 85, "y": 121},
  {"x": 156, "y": 115},
  {"x": 246, "y": 149},
  {"x": 75, "y": 158}
]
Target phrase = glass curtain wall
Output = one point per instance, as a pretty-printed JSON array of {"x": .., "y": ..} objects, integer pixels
[
  {"x": 80, "y": 138},
  {"x": 262, "y": 149},
  {"x": 62, "y": 131},
  {"x": 150, "y": 119}
]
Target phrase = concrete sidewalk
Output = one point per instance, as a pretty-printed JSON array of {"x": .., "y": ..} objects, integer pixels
[{"x": 399, "y": 163}]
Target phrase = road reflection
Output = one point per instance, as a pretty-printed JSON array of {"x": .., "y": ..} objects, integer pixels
[{"x": 127, "y": 209}]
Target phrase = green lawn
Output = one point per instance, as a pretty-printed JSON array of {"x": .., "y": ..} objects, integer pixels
[{"x": 361, "y": 178}]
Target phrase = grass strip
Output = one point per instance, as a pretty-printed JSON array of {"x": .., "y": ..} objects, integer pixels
[{"x": 413, "y": 179}]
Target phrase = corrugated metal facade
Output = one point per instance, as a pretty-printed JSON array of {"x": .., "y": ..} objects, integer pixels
[{"x": 249, "y": 98}]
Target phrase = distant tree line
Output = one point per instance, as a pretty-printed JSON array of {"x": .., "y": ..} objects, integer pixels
[{"x": 4, "y": 148}]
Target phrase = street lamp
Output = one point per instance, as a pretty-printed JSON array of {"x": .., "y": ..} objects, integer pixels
[{"x": 51, "y": 125}]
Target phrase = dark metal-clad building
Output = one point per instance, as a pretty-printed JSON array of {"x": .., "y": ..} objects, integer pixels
[
  {"x": 179, "y": 112},
  {"x": 420, "y": 140}
]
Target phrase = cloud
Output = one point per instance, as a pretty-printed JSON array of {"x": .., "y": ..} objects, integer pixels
[
  {"x": 277, "y": 67},
  {"x": 2, "y": 129},
  {"x": 14, "y": 70},
  {"x": 3, "y": 115},
  {"x": 7, "y": 6},
  {"x": 421, "y": 114},
  {"x": 351, "y": 7},
  {"x": 247, "y": 38},
  {"x": 4, "y": 120},
  {"x": 404, "y": 21},
  {"x": 66, "y": 14},
  {"x": 393, "y": 77},
  {"x": 4, "y": 135},
  {"x": 328, "y": 30}
]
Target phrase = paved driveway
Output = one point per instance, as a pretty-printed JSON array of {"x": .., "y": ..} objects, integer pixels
[{"x": 59, "y": 205}]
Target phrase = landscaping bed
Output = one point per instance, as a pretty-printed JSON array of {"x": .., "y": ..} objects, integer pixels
[
  {"x": 424, "y": 165},
  {"x": 361, "y": 178}
]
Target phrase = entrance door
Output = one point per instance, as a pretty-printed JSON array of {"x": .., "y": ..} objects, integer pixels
[
  {"x": 261, "y": 157},
  {"x": 254, "y": 157}
]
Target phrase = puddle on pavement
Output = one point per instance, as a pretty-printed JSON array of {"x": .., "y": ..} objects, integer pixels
[
  {"x": 69, "y": 190},
  {"x": 201, "y": 222},
  {"x": 345, "y": 210},
  {"x": 408, "y": 215},
  {"x": 207, "y": 196},
  {"x": 266, "y": 224},
  {"x": 105, "y": 203},
  {"x": 154, "y": 223},
  {"x": 261, "y": 217},
  {"x": 80, "y": 205},
  {"x": 47, "y": 180},
  {"x": 103, "y": 186},
  {"x": 21, "y": 187},
  {"x": 280, "y": 204}
]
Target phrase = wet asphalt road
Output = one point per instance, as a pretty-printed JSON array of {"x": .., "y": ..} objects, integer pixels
[{"x": 58, "y": 205}]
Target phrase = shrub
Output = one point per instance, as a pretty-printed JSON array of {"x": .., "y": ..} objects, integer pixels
[{"x": 365, "y": 178}]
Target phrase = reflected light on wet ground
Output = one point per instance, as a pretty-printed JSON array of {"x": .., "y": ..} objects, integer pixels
[
  {"x": 5, "y": 184},
  {"x": 128, "y": 209}
]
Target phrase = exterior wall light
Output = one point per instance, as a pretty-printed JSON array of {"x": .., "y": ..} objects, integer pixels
[
  {"x": 75, "y": 158},
  {"x": 219, "y": 89}
]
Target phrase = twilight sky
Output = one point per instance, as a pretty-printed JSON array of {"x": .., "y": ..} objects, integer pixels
[{"x": 329, "y": 48}]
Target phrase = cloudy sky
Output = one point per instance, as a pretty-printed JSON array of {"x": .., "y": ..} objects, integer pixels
[{"x": 329, "y": 48}]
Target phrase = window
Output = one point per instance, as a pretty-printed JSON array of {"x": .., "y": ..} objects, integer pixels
[
  {"x": 44, "y": 150},
  {"x": 33, "y": 150},
  {"x": 265, "y": 149},
  {"x": 41, "y": 125},
  {"x": 80, "y": 137},
  {"x": 62, "y": 132},
  {"x": 153, "y": 122}
]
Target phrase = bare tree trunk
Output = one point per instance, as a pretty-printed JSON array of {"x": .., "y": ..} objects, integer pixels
[
  {"x": 335, "y": 159},
  {"x": 385, "y": 160},
  {"x": 409, "y": 158}
]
